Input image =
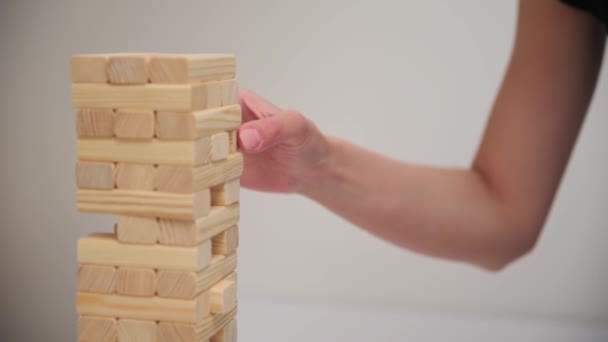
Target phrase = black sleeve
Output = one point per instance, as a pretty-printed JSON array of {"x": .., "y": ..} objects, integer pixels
[{"x": 598, "y": 8}]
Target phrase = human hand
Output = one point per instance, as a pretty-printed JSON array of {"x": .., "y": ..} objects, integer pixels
[{"x": 283, "y": 150}]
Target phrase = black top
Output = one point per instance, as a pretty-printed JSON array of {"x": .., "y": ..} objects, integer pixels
[{"x": 598, "y": 8}]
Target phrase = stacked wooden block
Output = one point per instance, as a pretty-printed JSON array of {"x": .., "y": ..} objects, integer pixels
[{"x": 157, "y": 147}]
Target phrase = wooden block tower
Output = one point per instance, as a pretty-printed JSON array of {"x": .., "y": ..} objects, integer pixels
[{"x": 157, "y": 147}]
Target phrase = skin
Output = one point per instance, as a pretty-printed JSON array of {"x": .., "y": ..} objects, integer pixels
[{"x": 489, "y": 214}]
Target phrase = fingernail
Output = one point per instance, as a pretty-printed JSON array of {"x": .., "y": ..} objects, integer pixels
[{"x": 250, "y": 139}]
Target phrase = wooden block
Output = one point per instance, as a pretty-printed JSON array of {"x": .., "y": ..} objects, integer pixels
[
  {"x": 190, "y": 125},
  {"x": 96, "y": 278},
  {"x": 130, "y": 330},
  {"x": 190, "y": 232},
  {"x": 104, "y": 249},
  {"x": 214, "y": 94},
  {"x": 127, "y": 69},
  {"x": 188, "y": 68},
  {"x": 227, "y": 193},
  {"x": 135, "y": 176},
  {"x": 174, "y": 178},
  {"x": 226, "y": 242},
  {"x": 144, "y": 308},
  {"x": 233, "y": 141},
  {"x": 97, "y": 329},
  {"x": 180, "y": 97},
  {"x": 202, "y": 331},
  {"x": 227, "y": 334},
  {"x": 190, "y": 153},
  {"x": 88, "y": 68},
  {"x": 220, "y": 146},
  {"x": 95, "y": 175},
  {"x": 95, "y": 122},
  {"x": 136, "y": 229},
  {"x": 145, "y": 203},
  {"x": 134, "y": 124},
  {"x": 230, "y": 95},
  {"x": 223, "y": 296},
  {"x": 134, "y": 281},
  {"x": 184, "y": 284}
]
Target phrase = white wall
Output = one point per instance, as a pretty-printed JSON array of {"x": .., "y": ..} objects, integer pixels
[{"x": 412, "y": 79}]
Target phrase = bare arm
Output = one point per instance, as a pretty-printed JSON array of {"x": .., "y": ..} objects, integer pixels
[{"x": 489, "y": 214}]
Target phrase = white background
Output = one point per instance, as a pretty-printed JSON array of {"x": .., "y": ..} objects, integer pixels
[{"x": 411, "y": 79}]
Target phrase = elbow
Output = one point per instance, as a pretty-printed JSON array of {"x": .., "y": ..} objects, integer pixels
[{"x": 516, "y": 243}]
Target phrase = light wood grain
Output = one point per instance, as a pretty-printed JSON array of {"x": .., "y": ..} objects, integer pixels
[
  {"x": 202, "y": 331},
  {"x": 193, "y": 232},
  {"x": 233, "y": 141},
  {"x": 137, "y": 229},
  {"x": 133, "y": 176},
  {"x": 88, "y": 68},
  {"x": 227, "y": 334},
  {"x": 173, "y": 125},
  {"x": 229, "y": 92},
  {"x": 127, "y": 69},
  {"x": 223, "y": 296},
  {"x": 226, "y": 242},
  {"x": 95, "y": 122},
  {"x": 227, "y": 193},
  {"x": 195, "y": 152},
  {"x": 95, "y": 175},
  {"x": 179, "y": 97},
  {"x": 96, "y": 278},
  {"x": 181, "y": 179},
  {"x": 187, "y": 206},
  {"x": 97, "y": 329},
  {"x": 134, "y": 124},
  {"x": 135, "y": 281},
  {"x": 144, "y": 308},
  {"x": 188, "y": 68},
  {"x": 220, "y": 146},
  {"x": 185, "y": 284},
  {"x": 104, "y": 249},
  {"x": 130, "y": 330}
]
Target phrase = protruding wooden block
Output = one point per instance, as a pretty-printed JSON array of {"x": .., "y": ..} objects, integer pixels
[
  {"x": 96, "y": 278},
  {"x": 88, "y": 68},
  {"x": 196, "y": 152},
  {"x": 178, "y": 97},
  {"x": 136, "y": 331},
  {"x": 188, "y": 68},
  {"x": 220, "y": 146},
  {"x": 223, "y": 296},
  {"x": 202, "y": 331},
  {"x": 214, "y": 95},
  {"x": 184, "y": 284},
  {"x": 230, "y": 95},
  {"x": 144, "y": 308},
  {"x": 104, "y": 249},
  {"x": 97, "y": 329},
  {"x": 133, "y": 176},
  {"x": 190, "y": 206},
  {"x": 95, "y": 175},
  {"x": 233, "y": 141},
  {"x": 133, "y": 281},
  {"x": 134, "y": 124},
  {"x": 226, "y": 242},
  {"x": 227, "y": 334},
  {"x": 227, "y": 193},
  {"x": 95, "y": 122},
  {"x": 127, "y": 69},
  {"x": 175, "y": 178},
  {"x": 190, "y": 125},
  {"x": 190, "y": 232},
  {"x": 137, "y": 229}
]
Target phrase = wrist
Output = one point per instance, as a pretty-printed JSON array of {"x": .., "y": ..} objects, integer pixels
[{"x": 318, "y": 177}]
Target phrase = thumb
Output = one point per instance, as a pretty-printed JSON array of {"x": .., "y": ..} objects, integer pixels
[{"x": 288, "y": 128}]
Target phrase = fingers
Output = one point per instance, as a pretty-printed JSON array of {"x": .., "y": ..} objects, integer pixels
[
  {"x": 289, "y": 128},
  {"x": 255, "y": 107}
]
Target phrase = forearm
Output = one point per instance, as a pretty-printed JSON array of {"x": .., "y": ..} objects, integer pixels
[{"x": 447, "y": 213}]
